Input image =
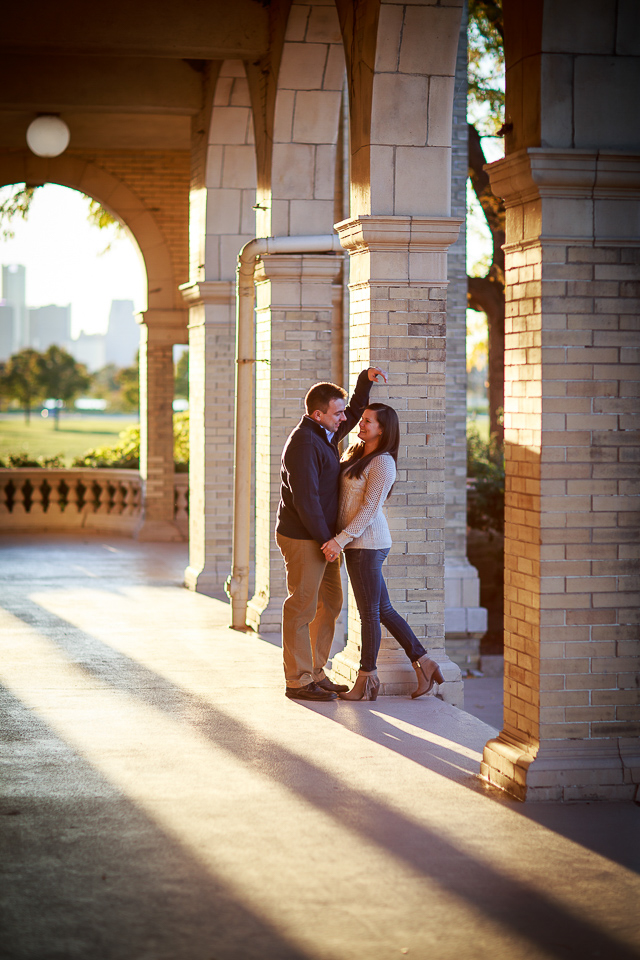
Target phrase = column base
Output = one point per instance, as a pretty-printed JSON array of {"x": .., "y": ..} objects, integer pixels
[
  {"x": 208, "y": 580},
  {"x": 463, "y": 647},
  {"x": 564, "y": 770},
  {"x": 465, "y": 621},
  {"x": 159, "y": 531},
  {"x": 265, "y": 617}
]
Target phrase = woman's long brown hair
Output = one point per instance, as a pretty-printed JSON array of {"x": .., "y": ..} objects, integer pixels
[{"x": 354, "y": 462}]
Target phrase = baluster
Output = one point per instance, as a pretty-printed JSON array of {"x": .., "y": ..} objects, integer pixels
[
  {"x": 118, "y": 498},
  {"x": 127, "y": 498},
  {"x": 75, "y": 496},
  {"x": 181, "y": 511},
  {"x": 37, "y": 500},
  {"x": 4, "y": 483},
  {"x": 102, "y": 496},
  {"x": 19, "y": 508},
  {"x": 53, "y": 507},
  {"x": 136, "y": 486}
]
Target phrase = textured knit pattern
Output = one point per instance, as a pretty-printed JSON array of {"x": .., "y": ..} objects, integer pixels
[{"x": 361, "y": 520}]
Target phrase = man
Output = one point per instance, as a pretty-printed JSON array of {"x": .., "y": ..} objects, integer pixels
[{"x": 307, "y": 516}]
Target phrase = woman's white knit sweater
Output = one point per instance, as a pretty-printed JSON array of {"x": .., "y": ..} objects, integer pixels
[{"x": 361, "y": 520}]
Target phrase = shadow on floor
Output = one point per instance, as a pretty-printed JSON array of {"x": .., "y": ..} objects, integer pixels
[{"x": 513, "y": 903}]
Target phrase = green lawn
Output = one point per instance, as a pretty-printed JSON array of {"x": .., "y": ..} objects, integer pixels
[{"x": 76, "y": 435}]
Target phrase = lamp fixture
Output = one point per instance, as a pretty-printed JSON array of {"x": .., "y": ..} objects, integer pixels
[{"x": 48, "y": 136}]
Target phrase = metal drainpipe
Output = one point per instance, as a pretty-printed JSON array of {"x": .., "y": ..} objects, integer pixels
[{"x": 237, "y": 585}]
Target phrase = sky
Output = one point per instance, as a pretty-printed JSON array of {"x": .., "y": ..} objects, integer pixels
[{"x": 66, "y": 262}]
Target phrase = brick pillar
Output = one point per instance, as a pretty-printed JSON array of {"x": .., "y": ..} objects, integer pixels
[
  {"x": 571, "y": 716},
  {"x": 160, "y": 329},
  {"x": 295, "y": 302},
  {"x": 465, "y": 619},
  {"x": 211, "y": 419},
  {"x": 398, "y": 301},
  {"x": 222, "y": 221}
]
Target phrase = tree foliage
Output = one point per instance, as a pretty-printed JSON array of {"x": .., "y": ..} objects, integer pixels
[
  {"x": 125, "y": 453},
  {"x": 17, "y": 204},
  {"x": 486, "y": 65},
  {"x": 128, "y": 382},
  {"x": 61, "y": 376},
  {"x": 29, "y": 377},
  {"x": 485, "y": 470},
  {"x": 181, "y": 376},
  {"x": 21, "y": 380},
  {"x": 486, "y": 110}
]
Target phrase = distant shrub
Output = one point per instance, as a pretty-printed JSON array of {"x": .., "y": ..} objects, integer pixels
[
  {"x": 485, "y": 469},
  {"x": 14, "y": 460},
  {"x": 181, "y": 442},
  {"x": 125, "y": 454}
]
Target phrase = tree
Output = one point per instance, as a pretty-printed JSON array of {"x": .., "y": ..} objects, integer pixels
[
  {"x": 61, "y": 376},
  {"x": 21, "y": 379},
  {"x": 181, "y": 376},
  {"x": 486, "y": 95},
  {"x": 128, "y": 380},
  {"x": 17, "y": 205}
]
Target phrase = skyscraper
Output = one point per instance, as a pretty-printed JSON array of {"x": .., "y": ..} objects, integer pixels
[
  {"x": 14, "y": 296},
  {"x": 49, "y": 325},
  {"x": 123, "y": 334}
]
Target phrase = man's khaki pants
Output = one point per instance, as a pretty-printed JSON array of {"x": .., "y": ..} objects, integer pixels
[{"x": 310, "y": 611}]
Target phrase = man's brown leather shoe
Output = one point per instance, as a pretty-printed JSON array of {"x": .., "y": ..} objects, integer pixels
[
  {"x": 311, "y": 692},
  {"x": 327, "y": 684}
]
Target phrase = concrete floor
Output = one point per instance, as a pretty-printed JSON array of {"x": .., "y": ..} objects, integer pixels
[{"x": 162, "y": 800}]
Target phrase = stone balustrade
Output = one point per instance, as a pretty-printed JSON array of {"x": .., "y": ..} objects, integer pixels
[{"x": 91, "y": 499}]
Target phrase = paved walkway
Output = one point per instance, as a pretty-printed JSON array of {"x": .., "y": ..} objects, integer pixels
[{"x": 162, "y": 800}]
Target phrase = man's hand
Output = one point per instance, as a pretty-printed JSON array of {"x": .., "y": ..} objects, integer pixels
[
  {"x": 375, "y": 372},
  {"x": 331, "y": 550}
]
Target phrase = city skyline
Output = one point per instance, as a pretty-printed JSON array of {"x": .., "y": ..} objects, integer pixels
[
  {"x": 66, "y": 261},
  {"x": 22, "y": 325}
]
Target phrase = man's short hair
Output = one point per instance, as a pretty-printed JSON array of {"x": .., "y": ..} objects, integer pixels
[{"x": 321, "y": 395}]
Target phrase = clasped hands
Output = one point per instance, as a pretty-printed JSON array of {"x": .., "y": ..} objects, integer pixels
[{"x": 331, "y": 550}]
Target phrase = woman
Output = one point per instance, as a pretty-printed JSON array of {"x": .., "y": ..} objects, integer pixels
[{"x": 368, "y": 472}]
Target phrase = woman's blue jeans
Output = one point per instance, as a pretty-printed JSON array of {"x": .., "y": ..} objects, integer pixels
[{"x": 372, "y": 599}]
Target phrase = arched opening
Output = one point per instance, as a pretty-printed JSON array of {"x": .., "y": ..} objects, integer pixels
[{"x": 163, "y": 317}]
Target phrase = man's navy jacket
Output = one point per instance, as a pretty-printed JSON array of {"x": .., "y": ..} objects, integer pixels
[{"x": 308, "y": 508}]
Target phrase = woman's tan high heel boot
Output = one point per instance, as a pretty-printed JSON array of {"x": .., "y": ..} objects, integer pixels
[
  {"x": 428, "y": 672},
  {"x": 365, "y": 688}
]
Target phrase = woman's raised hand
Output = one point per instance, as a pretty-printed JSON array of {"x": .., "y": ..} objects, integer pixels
[{"x": 375, "y": 372}]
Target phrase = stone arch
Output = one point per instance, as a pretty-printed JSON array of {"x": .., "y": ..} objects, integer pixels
[{"x": 116, "y": 197}]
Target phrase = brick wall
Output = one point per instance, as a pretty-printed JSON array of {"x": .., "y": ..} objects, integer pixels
[{"x": 161, "y": 180}]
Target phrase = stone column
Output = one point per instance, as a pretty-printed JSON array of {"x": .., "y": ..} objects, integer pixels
[
  {"x": 211, "y": 418},
  {"x": 298, "y": 304},
  {"x": 571, "y": 719},
  {"x": 398, "y": 300},
  {"x": 222, "y": 220},
  {"x": 401, "y": 62},
  {"x": 160, "y": 329},
  {"x": 465, "y": 619},
  {"x": 295, "y": 298}
]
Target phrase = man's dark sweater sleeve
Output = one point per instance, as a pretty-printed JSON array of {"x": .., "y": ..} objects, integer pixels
[
  {"x": 357, "y": 405},
  {"x": 305, "y": 489}
]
